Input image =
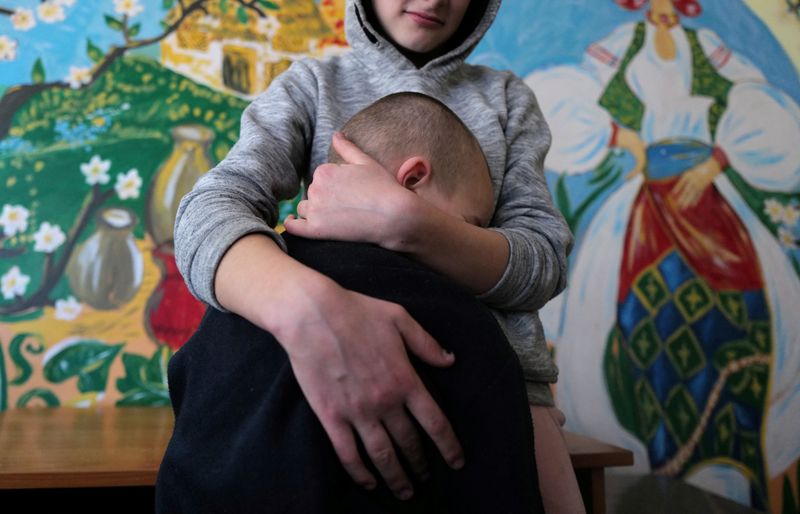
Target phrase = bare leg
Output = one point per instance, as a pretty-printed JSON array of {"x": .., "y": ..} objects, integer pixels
[{"x": 557, "y": 482}]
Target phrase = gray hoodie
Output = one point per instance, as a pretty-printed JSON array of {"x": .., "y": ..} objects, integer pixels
[{"x": 286, "y": 132}]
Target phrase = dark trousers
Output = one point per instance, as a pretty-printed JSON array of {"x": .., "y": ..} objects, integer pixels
[{"x": 246, "y": 441}]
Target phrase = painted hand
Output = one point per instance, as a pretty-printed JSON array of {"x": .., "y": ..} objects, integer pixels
[
  {"x": 629, "y": 140},
  {"x": 693, "y": 183},
  {"x": 356, "y": 201}
]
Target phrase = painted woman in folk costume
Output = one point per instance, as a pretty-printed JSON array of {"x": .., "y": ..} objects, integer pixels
[{"x": 680, "y": 336}]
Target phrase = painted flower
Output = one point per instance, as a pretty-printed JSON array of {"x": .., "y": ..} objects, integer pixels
[
  {"x": 23, "y": 19},
  {"x": 96, "y": 170},
  {"x": 791, "y": 215},
  {"x": 50, "y": 11},
  {"x": 14, "y": 283},
  {"x": 129, "y": 8},
  {"x": 268, "y": 25},
  {"x": 68, "y": 309},
  {"x": 48, "y": 238},
  {"x": 14, "y": 219},
  {"x": 787, "y": 238},
  {"x": 66, "y": 3},
  {"x": 78, "y": 77},
  {"x": 773, "y": 209},
  {"x": 128, "y": 184},
  {"x": 8, "y": 49}
]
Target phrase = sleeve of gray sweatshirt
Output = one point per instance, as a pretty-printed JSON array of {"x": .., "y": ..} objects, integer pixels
[
  {"x": 538, "y": 236},
  {"x": 240, "y": 195}
]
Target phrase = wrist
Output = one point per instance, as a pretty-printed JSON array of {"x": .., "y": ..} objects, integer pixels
[{"x": 406, "y": 222}]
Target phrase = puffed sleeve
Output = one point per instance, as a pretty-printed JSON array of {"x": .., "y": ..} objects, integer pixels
[
  {"x": 240, "y": 195},
  {"x": 582, "y": 130},
  {"x": 602, "y": 58},
  {"x": 759, "y": 133},
  {"x": 730, "y": 65},
  {"x": 538, "y": 237}
]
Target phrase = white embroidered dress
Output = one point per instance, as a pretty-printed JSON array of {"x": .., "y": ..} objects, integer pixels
[{"x": 760, "y": 134}]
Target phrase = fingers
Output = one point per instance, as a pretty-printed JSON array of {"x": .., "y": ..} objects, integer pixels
[
  {"x": 348, "y": 151},
  {"x": 421, "y": 343},
  {"x": 382, "y": 454},
  {"x": 407, "y": 440},
  {"x": 425, "y": 410},
  {"x": 344, "y": 445}
]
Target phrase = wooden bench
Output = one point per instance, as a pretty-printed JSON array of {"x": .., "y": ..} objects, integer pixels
[{"x": 121, "y": 447}]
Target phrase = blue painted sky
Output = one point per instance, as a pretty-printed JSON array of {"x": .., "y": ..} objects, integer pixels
[
  {"x": 530, "y": 34},
  {"x": 63, "y": 44},
  {"x": 527, "y": 34}
]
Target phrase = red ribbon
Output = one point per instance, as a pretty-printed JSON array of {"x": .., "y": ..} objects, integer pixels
[{"x": 690, "y": 8}]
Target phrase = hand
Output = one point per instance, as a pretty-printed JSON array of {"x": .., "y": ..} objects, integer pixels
[
  {"x": 629, "y": 140},
  {"x": 693, "y": 183},
  {"x": 353, "y": 368},
  {"x": 356, "y": 201}
]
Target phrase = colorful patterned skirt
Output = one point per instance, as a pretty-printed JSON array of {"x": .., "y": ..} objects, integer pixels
[{"x": 687, "y": 361}]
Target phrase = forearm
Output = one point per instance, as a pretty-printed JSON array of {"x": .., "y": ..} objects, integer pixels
[
  {"x": 260, "y": 282},
  {"x": 472, "y": 256}
]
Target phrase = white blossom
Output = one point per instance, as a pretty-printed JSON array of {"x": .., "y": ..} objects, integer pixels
[
  {"x": 23, "y": 19},
  {"x": 96, "y": 170},
  {"x": 14, "y": 219},
  {"x": 8, "y": 49},
  {"x": 791, "y": 215},
  {"x": 128, "y": 184},
  {"x": 774, "y": 209},
  {"x": 48, "y": 238},
  {"x": 50, "y": 11},
  {"x": 268, "y": 26},
  {"x": 787, "y": 238},
  {"x": 66, "y": 3},
  {"x": 68, "y": 309},
  {"x": 14, "y": 283},
  {"x": 129, "y": 8},
  {"x": 78, "y": 77}
]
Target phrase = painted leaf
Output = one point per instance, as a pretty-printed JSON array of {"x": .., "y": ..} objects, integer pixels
[
  {"x": 114, "y": 23},
  {"x": 166, "y": 4},
  {"x": 223, "y": 6},
  {"x": 269, "y": 5},
  {"x": 562, "y": 197},
  {"x": 145, "y": 381},
  {"x": 15, "y": 349},
  {"x": 134, "y": 30},
  {"x": 45, "y": 395},
  {"x": 94, "y": 53},
  {"x": 3, "y": 381},
  {"x": 241, "y": 13},
  {"x": 89, "y": 360},
  {"x": 37, "y": 73}
]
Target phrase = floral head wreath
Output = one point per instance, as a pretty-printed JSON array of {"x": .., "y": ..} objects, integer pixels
[{"x": 690, "y": 8}]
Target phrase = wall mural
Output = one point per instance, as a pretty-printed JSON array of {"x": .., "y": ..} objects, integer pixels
[{"x": 675, "y": 161}]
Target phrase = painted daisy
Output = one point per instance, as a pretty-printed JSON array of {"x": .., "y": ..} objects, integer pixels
[{"x": 96, "y": 170}]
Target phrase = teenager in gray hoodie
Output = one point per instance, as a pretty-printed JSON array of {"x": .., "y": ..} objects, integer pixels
[{"x": 348, "y": 351}]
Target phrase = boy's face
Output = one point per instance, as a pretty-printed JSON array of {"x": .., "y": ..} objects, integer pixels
[{"x": 420, "y": 26}]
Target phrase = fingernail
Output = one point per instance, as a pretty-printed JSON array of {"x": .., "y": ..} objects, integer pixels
[
  {"x": 458, "y": 463},
  {"x": 447, "y": 355},
  {"x": 405, "y": 494},
  {"x": 369, "y": 486}
]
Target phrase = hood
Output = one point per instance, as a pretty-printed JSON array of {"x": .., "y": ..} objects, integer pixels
[{"x": 374, "y": 50}]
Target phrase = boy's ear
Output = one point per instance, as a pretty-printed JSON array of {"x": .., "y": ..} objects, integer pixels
[{"x": 414, "y": 172}]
